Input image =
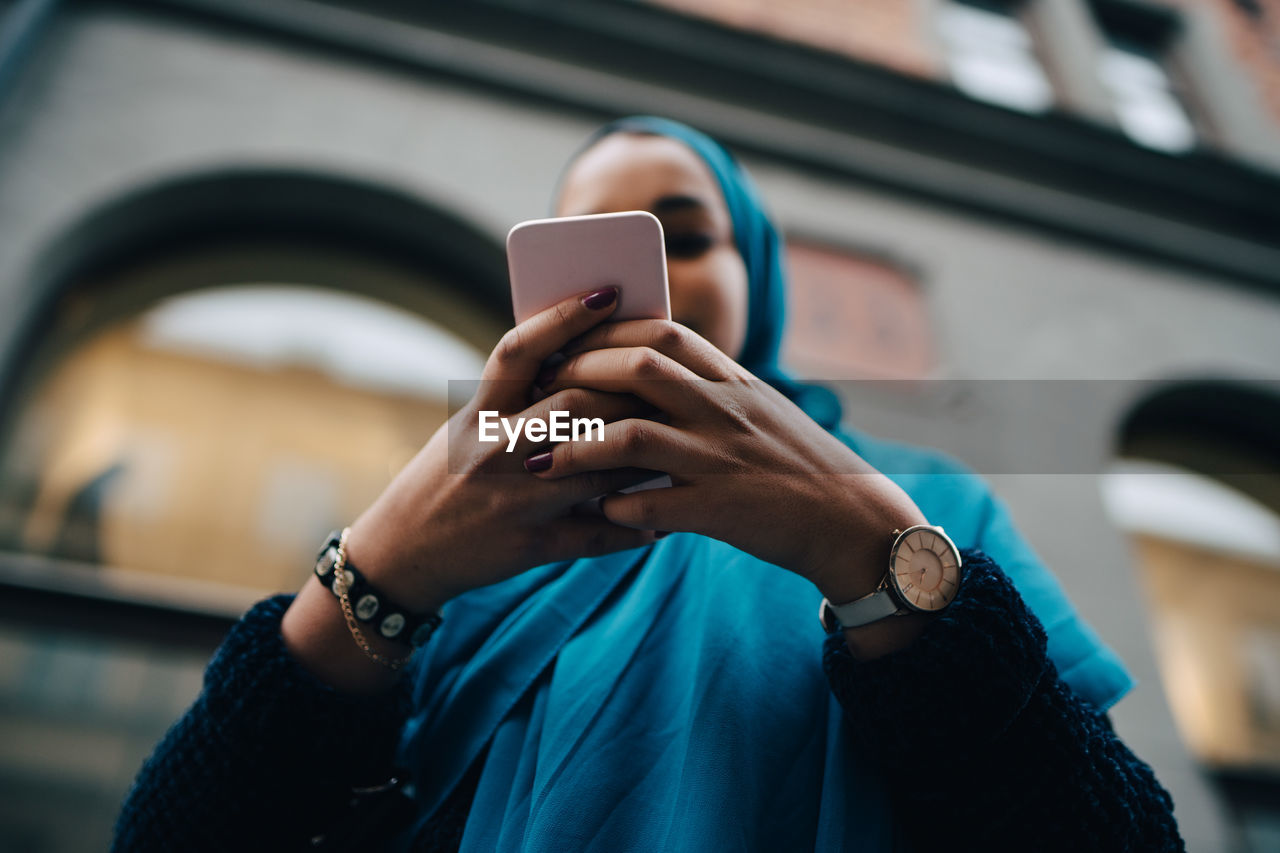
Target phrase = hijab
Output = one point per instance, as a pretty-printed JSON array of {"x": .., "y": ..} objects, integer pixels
[
  {"x": 762, "y": 252},
  {"x": 672, "y": 696}
]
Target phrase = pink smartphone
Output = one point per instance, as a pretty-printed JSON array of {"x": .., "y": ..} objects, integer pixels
[{"x": 552, "y": 259}]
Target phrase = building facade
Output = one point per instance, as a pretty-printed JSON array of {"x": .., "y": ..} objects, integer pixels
[{"x": 245, "y": 245}]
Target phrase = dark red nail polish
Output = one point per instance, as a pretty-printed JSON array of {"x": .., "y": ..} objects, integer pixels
[
  {"x": 538, "y": 462},
  {"x": 601, "y": 298},
  {"x": 544, "y": 377}
]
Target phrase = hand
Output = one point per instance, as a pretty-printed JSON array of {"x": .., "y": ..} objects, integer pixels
[
  {"x": 463, "y": 513},
  {"x": 748, "y": 466}
]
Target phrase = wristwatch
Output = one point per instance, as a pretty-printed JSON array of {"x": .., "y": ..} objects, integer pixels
[{"x": 923, "y": 577}]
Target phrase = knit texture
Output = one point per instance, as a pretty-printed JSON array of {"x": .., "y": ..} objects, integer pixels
[
  {"x": 980, "y": 740},
  {"x": 266, "y": 756},
  {"x": 981, "y": 744}
]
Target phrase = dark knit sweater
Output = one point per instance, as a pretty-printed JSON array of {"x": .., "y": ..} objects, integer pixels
[{"x": 983, "y": 746}]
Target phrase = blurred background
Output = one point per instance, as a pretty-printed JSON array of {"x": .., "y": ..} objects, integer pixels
[{"x": 245, "y": 243}]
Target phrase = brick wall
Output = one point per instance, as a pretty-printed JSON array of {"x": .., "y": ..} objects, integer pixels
[
  {"x": 1252, "y": 28},
  {"x": 852, "y": 316},
  {"x": 892, "y": 33},
  {"x": 883, "y": 32}
]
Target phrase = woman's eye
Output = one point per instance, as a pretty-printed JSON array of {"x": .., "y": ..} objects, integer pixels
[{"x": 687, "y": 245}]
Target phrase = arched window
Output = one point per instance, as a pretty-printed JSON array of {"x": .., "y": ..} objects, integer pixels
[
  {"x": 192, "y": 415},
  {"x": 216, "y": 436},
  {"x": 1197, "y": 488},
  {"x": 214, "y": 373}
]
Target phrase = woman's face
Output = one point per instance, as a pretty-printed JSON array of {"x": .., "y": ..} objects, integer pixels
[{"x": 629, "y": 171}]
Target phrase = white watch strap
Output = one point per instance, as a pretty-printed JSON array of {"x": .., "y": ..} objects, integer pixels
[{"x": 868, "y": 609}]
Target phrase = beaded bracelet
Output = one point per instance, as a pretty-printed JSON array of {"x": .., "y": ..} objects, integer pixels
[{"x": 393, "y": 622}]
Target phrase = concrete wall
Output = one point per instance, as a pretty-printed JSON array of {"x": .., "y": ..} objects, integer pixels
[{"x": 116, "y": 102}]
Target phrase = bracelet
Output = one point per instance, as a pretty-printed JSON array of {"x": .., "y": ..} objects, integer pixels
[{"x": 393, "y": 622}]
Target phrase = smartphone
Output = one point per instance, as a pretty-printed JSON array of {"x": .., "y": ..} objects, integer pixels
[{"x": 553, "y": 259}]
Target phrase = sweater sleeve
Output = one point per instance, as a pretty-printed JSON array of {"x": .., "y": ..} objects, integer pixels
[
  {"x": 983, "y": 745},
  {"x": 267, "y": 755}
]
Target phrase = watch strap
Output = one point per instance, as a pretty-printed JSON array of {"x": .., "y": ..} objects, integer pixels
[{"x": 863, "y": 611}]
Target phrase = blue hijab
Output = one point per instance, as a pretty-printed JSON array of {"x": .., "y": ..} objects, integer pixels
[{"x": 672, "y": 697}]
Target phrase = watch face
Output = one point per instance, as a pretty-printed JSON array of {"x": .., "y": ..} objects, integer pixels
[{"x": 925, "y": 569}]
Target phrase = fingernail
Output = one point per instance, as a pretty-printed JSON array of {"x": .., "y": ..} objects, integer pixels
[
  {"x": 538, "y": 462},
  {"x": 658, "y": 534},
  {"x": 545, "y": 375},
  {"x": 601, "y": 298}
]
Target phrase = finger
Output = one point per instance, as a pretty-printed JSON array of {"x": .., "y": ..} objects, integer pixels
[
  {"x": 570, "y": 492},
  {"x": 578, "y": 536},
  {"x": 563, "y": 416},
  {"x": 629, "y": 443},
  {"x": 676, "y": 341},
  {"x": 642, "y": 371},
  {"x": 522, "y": 350},
  {"x": 586, "y": 409},
  {"x": 670, "y": 509}
]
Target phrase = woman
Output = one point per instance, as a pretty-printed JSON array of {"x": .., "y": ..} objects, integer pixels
[{"x": 598, "y": 684}]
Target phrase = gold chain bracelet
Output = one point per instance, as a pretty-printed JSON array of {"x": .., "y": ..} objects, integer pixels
[{"x": 340, "y": 587}]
